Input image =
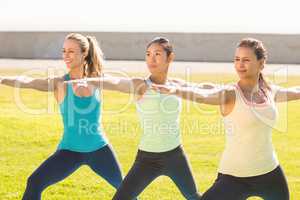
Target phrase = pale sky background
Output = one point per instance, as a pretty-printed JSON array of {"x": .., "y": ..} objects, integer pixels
[{"x": 253, "y": 16}]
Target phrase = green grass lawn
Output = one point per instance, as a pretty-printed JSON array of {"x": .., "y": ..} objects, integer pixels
[{"x": 26, "y": 140}]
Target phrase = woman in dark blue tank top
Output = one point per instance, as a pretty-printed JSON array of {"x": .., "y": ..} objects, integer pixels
[{"x": 83, "y": 142}]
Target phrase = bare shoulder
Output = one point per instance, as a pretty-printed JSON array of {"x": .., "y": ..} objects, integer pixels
[
  {"x": 57, "y": 81},
  {"x": 137, "y": 81},
  {"x": 58, "y": 78},
  {"x": 229, "y": 88},
  {"x": 228, "y": 101},
  {"x": 229, "y": 92},
  {"x": 139, "y": 85}
]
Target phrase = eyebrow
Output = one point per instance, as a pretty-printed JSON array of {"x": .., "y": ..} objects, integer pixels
[
  {"x": 154, "y": 51},
  {"x": 241, "y": 57},
  {"x": 68, "y": 48}
]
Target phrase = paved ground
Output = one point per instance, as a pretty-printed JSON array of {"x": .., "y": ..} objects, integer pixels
[{"x": 140, "y": 67}]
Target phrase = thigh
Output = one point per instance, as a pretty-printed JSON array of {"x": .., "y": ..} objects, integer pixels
[
  {"x": 57, "y": 167},
  {"x": 273, "y": 186},
  {"x": 105, "y": 164},
  {"x": 226, "y": 188},
  {"x": 139, "y": 176},
  {"x": 179, "y": 170}
]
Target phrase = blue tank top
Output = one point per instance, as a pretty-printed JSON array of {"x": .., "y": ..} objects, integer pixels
[{"x": 81, "y": 118}]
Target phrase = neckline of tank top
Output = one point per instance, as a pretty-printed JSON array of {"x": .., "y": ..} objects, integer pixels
[
  {"x": 82, "y": 97},
  {"x": 249, "y": 103}
]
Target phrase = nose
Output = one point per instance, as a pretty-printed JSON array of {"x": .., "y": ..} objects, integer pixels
[
  {"x": 153, "y": 59},
  {"x": 240, "y": 64},
  {"x": 65, "y": 55}
]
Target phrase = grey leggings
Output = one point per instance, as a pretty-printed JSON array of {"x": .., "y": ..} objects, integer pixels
[{"x": 149, "y": 166}]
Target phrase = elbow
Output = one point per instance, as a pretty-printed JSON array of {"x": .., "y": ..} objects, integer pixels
[{"x": 208, "y": 86}]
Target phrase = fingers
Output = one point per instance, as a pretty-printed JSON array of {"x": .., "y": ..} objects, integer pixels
[
  {"x": 162, "y": 89},
  {"x": 156, "y": 87}
]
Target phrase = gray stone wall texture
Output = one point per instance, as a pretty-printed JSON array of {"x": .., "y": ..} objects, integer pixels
[{"x": 200, "y": 47}]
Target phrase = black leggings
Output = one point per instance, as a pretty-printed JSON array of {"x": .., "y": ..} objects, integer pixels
[
  {"x": 270, "y": 186},
  {"x": 64, "y": 162},
  {"x": 148, "y": 166}
]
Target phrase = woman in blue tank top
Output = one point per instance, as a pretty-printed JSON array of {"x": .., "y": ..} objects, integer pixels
[{"x": 83, "y": 142}]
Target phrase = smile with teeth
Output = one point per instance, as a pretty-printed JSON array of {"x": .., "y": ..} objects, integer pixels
[{"x": 68, "y": 61}]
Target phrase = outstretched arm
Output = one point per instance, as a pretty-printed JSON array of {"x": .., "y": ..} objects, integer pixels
[
  {"x": 125, "y": 85},
  {"x": 216, "y": 96},
  {"x": 286, "y": 94},
  {"x": 41, "y": 84},
  {"x": 183, "y": 83}
]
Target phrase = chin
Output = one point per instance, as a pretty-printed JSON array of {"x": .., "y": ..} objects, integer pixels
[
  {"x": 242, "y": 74},
  {"x": 70, "y": 66},
  {"x": 151, "y": 70}
]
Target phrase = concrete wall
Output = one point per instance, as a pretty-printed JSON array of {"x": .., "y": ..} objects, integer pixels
[{"x": 212, "y": 47}]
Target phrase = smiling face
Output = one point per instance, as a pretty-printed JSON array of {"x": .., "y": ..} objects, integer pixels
[
  {"x": 72, "y": 54},
  {"x": 246, "y": 63},
  {"x": 157, "y": 59}
]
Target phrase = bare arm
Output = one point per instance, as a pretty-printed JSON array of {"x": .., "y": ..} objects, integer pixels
[
  {"x": 216, "y": 96},
  {"x": 286, "y": 94},
  {"x": 183, "y": 83},
  {"x": 125, "y": 85},
  {"x": 41, "y": 84}
]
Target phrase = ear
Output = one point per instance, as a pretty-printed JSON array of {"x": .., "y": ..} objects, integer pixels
[
  {"x": 262, "y": 63},
  {"x": 85, "y": 54},
  {"x": 171, "y": 57}
]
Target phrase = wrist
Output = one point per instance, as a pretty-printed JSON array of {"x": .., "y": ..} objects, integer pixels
[{"x": 175, "y": 91}]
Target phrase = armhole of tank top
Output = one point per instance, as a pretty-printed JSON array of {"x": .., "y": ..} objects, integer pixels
[
  {"x": 97, "y": 93},
  {"x": 272, "y": 93},
  {"x": 65, "y": 89}
]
